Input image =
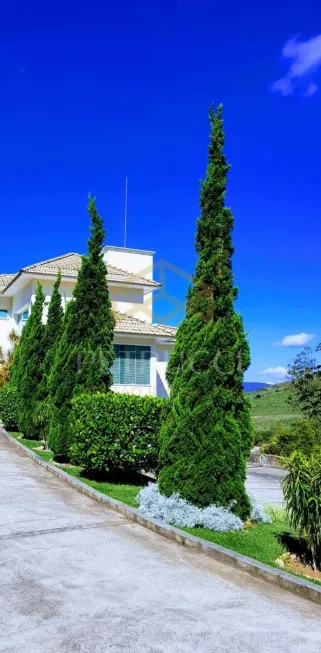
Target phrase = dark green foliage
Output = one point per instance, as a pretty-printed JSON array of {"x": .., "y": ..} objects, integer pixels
[
  {"x": 208, "y": 432},
  {"x": 300, "y": 435},
  {"x": 302, "y": 493},
  {"x": 27, "y": 367},
  {"x": 9, "y": 407},
  {"x": 52, "y": 332},
  {"x": 51, "y": 337},
  {"x": 116, "y": 432},
  {"x": 85, "y": 353},
  {"x": 305, "y": 375}
]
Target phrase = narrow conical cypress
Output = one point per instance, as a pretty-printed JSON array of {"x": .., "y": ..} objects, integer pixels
[
  {"x": 27, "y": 375},
  {"x": 85, "y": 353},
  {"x": 52, "y": 333},
  {"x": 51, "y": 337},
  {"x": 207, "y": 434}
]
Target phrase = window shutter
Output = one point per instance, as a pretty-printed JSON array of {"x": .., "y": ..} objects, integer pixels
[
  {"x": 115, "y": 367},
  {"x": 131, "y": 365},
  {"x": 127, "y": 364},
  {"x": 143, "y": 365}
]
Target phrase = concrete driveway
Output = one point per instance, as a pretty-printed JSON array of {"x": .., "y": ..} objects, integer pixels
[
  {"x": 77, "y": 577},
  {"x": 265, "y": 483}
]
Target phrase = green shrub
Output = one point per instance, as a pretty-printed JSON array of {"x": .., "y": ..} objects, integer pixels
[
  {"x": 302, "y": 493},
  {"x": 9, "y": 407},
  {"x": 115, "y": 432},
  {"x": 301, "y": 436}
]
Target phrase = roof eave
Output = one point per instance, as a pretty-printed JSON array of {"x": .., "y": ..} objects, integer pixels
[
  {"x": 65, "y": 277},
  {"x": 157, "y": 337},
  {"x": 118, "y": 248}
]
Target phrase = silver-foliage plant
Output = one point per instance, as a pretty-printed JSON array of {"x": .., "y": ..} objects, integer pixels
[
  {"x": 171, "y": 510},
  {"x": 175, "y": 510},
  {"x": 258, "y": 512}
]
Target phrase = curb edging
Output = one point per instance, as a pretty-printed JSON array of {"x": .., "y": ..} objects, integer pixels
[{"x": 298, "y": 586}]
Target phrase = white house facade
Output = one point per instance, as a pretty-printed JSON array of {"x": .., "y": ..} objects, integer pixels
[{"x": 142, "y": 347}]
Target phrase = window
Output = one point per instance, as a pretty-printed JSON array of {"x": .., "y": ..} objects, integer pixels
[
  {"x": 4, "y": 313},
  {"x": 132, "y": 365},
  {"x": 22, "y": 317}
]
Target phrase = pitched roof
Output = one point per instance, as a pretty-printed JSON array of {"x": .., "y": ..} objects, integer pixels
[
  {"x": 5, "y": 279},
  {"x": 69, "y": 264},
  {"x": 127, "y": 324}
]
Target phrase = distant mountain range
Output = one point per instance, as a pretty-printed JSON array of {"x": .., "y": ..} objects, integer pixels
[{"x": 251, "y": 386}]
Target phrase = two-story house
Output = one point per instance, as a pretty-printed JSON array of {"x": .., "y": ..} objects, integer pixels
[{"x": 142, "y": 347}]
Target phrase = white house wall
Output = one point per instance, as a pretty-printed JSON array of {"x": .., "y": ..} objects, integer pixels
[
  {"x": 131, "y": 301},
  {"x": 22, "y": 299},
  {"x": 16, "y": 304},
  {"x": 6, "y": 324},
  {"x": 131, "y": 260},
  {"x": 66, "y": 288},
  {"x": 163, "y": 353}
]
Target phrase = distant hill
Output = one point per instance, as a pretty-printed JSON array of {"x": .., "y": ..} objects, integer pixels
[
  {"x": 251, "y": 386},
  {"x": 271, "y": 404},
  {"x": 272, "y": 400}
]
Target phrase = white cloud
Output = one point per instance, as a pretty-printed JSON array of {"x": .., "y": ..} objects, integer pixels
[
  {"x": 297, "y": 340},
  {"x": 278, "y": 373},
  {"x": 306, "y": 58}
]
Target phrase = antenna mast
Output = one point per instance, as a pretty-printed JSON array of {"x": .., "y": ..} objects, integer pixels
[{"x": 125, "y": 221}]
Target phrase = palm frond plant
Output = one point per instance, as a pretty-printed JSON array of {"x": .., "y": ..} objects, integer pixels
[{"x": 302, "y": 493}]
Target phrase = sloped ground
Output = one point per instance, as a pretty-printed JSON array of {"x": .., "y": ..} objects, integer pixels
[
  {"x": 271, "y": 406},
  {"x": 77, "y": 577}
]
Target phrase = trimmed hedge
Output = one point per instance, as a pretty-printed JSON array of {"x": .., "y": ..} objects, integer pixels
[
  {"x": 9, "y": 407},
  {"x": 116, "y": 432}
]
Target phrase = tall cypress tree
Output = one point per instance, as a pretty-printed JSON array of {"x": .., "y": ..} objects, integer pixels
[
  {"x": 85, "y": 353},
  {"x": 207, "y": 434},
  {"x": 27, "y": 367},
  {"x": 52, "y": 331},
  {"x": 52, "y": 334}
]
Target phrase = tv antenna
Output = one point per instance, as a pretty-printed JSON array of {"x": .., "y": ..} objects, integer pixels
[{"x": 125, "y": 216}]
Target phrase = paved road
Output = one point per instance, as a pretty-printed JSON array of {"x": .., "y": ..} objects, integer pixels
[
  {"x": 77, "y": 577},
  {"x": 265, "y": 483}
]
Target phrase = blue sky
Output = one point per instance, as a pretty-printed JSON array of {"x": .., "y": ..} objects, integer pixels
[{"x": 90, "y": 96}]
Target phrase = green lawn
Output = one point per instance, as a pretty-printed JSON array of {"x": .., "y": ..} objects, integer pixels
[
  {"x": 125, "y": 493},
  {"x": 260, "y": 542},
  {"x": 33, "y": 444}
]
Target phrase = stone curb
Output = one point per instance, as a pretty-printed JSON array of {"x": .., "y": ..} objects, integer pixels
[{"x": 298, "y": 586}]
